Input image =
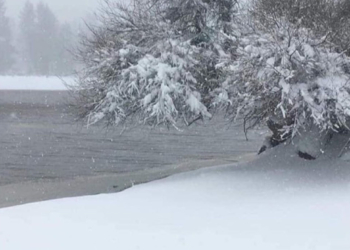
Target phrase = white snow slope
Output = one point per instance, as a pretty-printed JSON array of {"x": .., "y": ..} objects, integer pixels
[
  {"x": 277, "y": 201},
  {"x": 34, "y": 83}
]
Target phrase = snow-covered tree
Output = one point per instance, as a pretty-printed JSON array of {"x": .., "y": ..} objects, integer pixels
[
  {"x": 166, "y": 61},
  {"x": 155, "y": 60},
  {"x": 321, "y": 16},
  {"x": 291, "y": 77},
  {"x": 6, "y": 48}
]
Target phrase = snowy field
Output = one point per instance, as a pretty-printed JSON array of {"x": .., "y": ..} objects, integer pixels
[
  {"x": 276, "y": 201},
  {"x": 34, "y": 83}
]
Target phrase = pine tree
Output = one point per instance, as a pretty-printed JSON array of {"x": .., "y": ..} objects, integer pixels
[
  {"x": 29, "y": 38},
  {"x": 65, "y": 62},
  {"x": 6, "y": 48},
  {"x": 47, "y": 27}
]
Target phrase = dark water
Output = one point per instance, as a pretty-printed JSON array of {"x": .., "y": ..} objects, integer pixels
[{"x": 39, "y": 140}]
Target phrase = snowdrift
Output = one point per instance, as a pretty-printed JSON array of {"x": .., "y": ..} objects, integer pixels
[
  {"x": 34, "y": 83},
  {"x": 277, "y": 201}
]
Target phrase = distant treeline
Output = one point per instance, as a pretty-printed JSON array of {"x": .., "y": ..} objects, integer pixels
[{"x": 40, "y": 45}]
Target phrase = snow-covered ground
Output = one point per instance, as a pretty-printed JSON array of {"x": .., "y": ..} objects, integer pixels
[
  {"x": 34, "y": 83},
  {"x": 277, "y": 201}
]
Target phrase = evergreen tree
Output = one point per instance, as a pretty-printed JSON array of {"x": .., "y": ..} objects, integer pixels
[
  {"x": 6, "y": 48},
  {"x": 29, "y": 38},
  {"x": 45, "y": 43},
  {"x": 47, "y": 27},
  {"x": 65, "y": 62}
]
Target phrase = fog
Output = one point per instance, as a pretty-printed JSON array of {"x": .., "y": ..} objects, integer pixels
[
  {"x": 37, "y": 37},
  {"x": 66, "y": 10}
]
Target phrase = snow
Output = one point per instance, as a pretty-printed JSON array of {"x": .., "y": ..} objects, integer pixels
[
  {"x": 277, "y": 201},
  {"x": 34, "y": 83}
]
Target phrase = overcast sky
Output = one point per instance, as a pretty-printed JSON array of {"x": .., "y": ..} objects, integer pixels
[{"x": 66, "y": 10}]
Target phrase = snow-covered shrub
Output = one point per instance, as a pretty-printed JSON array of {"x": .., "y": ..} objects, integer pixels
[
  {"x": 166, "y": 61},
  {"x": 322, "y": 16},
  {"x": 154, "y": 61},
  {"x": 289, "y": 77}
]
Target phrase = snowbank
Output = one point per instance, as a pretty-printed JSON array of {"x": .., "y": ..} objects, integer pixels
[
  {"x": 34, "y": 83},
  {"x": 275, "y": 202}
]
